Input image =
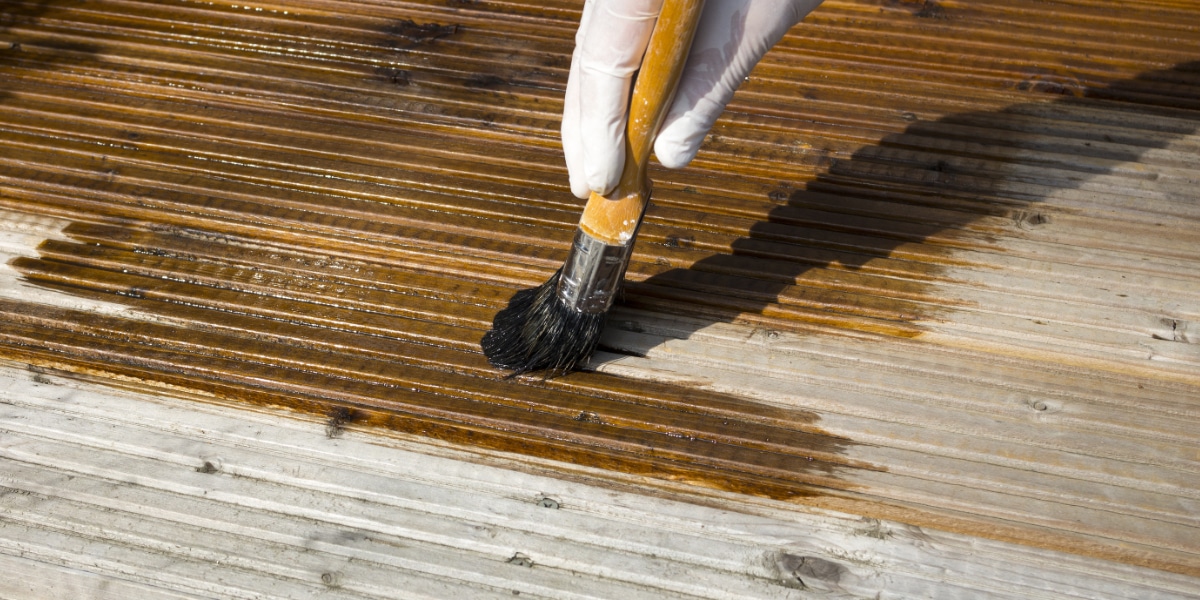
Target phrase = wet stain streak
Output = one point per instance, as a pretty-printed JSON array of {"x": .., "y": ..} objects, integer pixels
[{"x": 325, "y": 361}]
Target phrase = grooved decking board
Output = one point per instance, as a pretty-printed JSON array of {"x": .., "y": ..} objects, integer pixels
[
  {"x": 936, "y": 265},
  {"x": 116, "y": 481}
]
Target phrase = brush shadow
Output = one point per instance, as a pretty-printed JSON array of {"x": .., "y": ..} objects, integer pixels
[{"x": 928, "y": 185}]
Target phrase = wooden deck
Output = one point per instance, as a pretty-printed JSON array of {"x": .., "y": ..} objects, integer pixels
[{"x": 922, "y": 319}]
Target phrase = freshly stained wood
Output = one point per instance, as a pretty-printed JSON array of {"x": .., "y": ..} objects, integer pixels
[{"x": 936, "y": 265}]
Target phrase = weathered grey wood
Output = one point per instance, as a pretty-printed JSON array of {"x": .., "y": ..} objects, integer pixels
[{"x": 107, "y": 482}]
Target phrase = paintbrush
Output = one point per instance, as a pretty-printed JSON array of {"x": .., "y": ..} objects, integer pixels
[{"x": 556, "y": 326}]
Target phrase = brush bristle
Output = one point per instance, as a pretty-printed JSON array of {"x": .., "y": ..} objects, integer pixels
[{"x": 538, "y": 332}]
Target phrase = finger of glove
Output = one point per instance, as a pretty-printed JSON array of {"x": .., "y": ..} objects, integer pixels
[
  {"x": 733, "y": 35},
  {"x": 572, "y": 141},
  {"x": 610, "y": 47}
]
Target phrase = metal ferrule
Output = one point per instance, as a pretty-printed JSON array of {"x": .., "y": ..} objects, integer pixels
[{"x": 592, "y": 274}]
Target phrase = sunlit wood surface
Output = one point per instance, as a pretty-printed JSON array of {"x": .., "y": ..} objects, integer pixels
[{"x": 937, "y": 265}]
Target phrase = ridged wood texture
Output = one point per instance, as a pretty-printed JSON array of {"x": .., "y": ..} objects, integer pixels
[
  {"x": 937, "y": 264},
  {"x": 110, "y": 495}
]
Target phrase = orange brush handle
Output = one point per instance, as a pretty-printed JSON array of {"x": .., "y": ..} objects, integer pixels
[{"x": 614, "y": 218}]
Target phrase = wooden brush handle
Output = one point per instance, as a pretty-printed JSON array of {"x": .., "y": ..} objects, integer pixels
[{"x": 614, "y": 218}]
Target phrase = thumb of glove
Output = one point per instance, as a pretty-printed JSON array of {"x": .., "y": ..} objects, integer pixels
[{"x": 733, "y": 35}]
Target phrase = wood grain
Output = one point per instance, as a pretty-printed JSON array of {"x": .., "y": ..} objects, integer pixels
[{"x": 947, "y": 251}]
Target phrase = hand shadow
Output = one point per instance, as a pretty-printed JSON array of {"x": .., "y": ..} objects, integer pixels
[{"x": 935, "y": 180}]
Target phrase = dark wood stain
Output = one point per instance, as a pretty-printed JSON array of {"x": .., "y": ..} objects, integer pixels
[
  {"x": 419, "y": 33},
  {"x": 685, "y": 439}
]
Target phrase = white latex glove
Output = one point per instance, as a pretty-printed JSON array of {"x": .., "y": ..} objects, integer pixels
[{"x": 732, "y": 36}]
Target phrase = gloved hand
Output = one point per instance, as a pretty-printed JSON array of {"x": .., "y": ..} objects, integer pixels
[{"x": 731, "y": 38}]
